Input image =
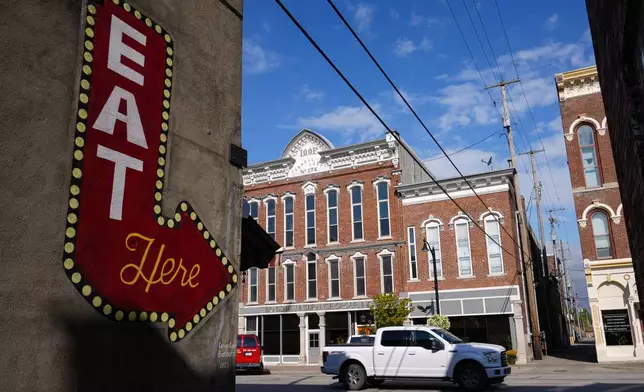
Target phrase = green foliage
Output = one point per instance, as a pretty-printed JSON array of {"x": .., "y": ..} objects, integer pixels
[
  {"x": 440, "y": 321},
  {"x": 584, "y": 318},
  {"x": 390, "y": 311}
]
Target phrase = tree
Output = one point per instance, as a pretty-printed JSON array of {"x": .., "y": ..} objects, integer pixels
[
  {"x": 584, "y": 318},
  {"x": 389, "y": 311},
  {"x": 440, "y": 321}
]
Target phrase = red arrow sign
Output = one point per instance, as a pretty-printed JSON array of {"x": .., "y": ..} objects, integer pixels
[{"x": 126, "y": 259}]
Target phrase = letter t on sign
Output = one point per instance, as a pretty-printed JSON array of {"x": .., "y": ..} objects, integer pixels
[
  {"x": 118, "y": 49},
  {"x": 121, "y": 163}
]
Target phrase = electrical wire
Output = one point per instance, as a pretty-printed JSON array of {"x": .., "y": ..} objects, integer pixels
[
  {"x": 384, "y": 124},
  {"x": 466, "y": 148},
  {"x": 422, "y": 123}
]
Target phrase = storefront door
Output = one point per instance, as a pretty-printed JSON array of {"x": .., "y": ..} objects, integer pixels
[{"x": 314, "y": 347}]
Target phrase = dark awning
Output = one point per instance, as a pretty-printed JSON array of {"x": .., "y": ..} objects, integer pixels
[{"x": 258, "y": 248}]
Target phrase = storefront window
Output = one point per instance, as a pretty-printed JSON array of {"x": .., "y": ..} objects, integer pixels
[{"x": 617, "y": 327}]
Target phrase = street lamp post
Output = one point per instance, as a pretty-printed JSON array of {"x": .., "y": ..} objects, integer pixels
[{"x": 427, "y": 248}]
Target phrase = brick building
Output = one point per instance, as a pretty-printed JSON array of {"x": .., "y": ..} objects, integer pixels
[
  {"x": 598, "y": 205},
  {"x": 617, "y": 29},
  {"x": 352, "y": 221}
]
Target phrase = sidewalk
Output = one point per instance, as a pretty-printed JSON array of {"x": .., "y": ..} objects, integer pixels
[{"x": 577, "y": 358}]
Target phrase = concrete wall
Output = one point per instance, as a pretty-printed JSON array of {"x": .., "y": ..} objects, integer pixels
[{"x": 51, "y": 339}]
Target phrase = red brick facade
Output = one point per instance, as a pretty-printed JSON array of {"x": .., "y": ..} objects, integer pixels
[
  {"x": 401, "y": 217},
  {"x": 589, "y": 110}
]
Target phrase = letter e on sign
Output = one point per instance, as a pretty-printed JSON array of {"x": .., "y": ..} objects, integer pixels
[{"x": 129, "y": 260}]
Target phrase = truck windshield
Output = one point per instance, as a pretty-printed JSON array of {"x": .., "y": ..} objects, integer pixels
[{"x": 447, "y": 336}]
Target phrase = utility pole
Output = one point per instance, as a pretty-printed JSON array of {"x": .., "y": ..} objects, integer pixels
[
  {"x": 553, "y": 236},
  {"x": 537, "y": 188},
  {"x": 565, "y": 276},
  {"x": 523, "y": 230}
]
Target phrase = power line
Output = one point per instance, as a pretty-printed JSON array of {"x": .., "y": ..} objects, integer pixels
[
  {"x": 516, "y": 70},
  {"x": 466, "y": 148},
  {"x": 422, "y": 123},
  {"x": 384, "y": 124}
]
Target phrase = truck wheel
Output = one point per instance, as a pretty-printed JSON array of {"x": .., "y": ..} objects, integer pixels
[
  {"x": 354, "y": 377},
  {"x": 471, "y": 376},
  {"x": 374, "y": 382}
]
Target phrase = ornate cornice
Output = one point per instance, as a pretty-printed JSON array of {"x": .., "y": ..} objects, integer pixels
[
  {"x": 577, "y": 83},
  {"x": 481, "y": 180}
]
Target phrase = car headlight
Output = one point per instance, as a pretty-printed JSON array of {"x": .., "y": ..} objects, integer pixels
[{"x": 491, "y": 356}]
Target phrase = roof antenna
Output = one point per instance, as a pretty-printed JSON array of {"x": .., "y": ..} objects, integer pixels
[{"x": 488, "y": 163}]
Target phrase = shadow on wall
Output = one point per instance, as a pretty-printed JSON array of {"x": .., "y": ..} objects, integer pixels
[{"x": 129, "y": 357}]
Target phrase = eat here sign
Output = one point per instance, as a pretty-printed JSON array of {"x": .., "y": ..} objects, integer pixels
[{"x": 127, "y": 259}]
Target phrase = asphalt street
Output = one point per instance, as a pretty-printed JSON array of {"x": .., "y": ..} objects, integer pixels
[{"x": 607, "y": 381}]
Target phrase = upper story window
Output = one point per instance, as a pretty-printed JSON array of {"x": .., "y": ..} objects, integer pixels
[
  {"x": 289, "y": 202},
  {"x": 310, "y": 219},
  {"x": 311, "y": 276},
  {"x": 332, "y": 215},
  {"x": 462, "y": 230},
  {"x": 289, "y": 280},
  {"x": 411, "y": 246},
  {"x": 252, "y": 285},
  {"x": 359, "y": 274},
  {"x": 434, "y": 240},
  {"x": 270, "y": 217},
  {"x": 493, "y": 239},
  {"x": 601, "y": 233},
  {"x": 386, "y": 272},
  {"x": 334, "y": 277},
  {"x": 589, "y": 155},
  {"x": 382, "y": 190},
  {"x": 271, "y": 283},
  {"x": 356, "y": 211},
  {"x": 254, "y": 210}
]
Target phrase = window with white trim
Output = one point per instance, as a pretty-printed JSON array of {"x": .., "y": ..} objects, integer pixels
[
  {"x": 254, "y": 210},
  {"x": 601, "y": 234},
  {"x": 289, "y": 239},
  {"x": 411, "y": 246},
  {"x": 586, "y": 136},
  {"x": 252, "y": 285},
  {"x": 384, "y": 229},
  {"x": 332, "y": 215},
  {"x": 270, "y": 217},
  {"x": 493, "y": 239},
  {"x": 310, "y": 219},
  {"x": 462, "y": 229},
  {"x": 433, "y": 232},
  {"x": 356, "y": 212},
  {"x": 311, "y": 276},
  {"x": 271, "y": 284},
  {"x": 360, "y": 273},
  {"x": 334, "y": 277},
  {"x": 387, "y": 273},
  {"x": 289, "y": 281},
  {"x": 251, "y": 325}
]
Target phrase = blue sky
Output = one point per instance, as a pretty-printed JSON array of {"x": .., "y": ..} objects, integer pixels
[{"x": 287, "y": 85}]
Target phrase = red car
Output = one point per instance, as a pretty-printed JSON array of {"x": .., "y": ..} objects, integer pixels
[{"x": 249, "y": 353}]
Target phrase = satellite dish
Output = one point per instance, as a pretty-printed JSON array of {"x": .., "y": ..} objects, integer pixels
[{"x": 488, "y": 162}]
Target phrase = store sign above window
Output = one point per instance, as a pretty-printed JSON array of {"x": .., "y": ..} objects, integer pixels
[
  {"x": 294, "y": 308},
  {"x": 124, "y": 256}
]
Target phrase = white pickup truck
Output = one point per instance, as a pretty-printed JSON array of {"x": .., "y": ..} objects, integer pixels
[{"x": 416, "y": 353}]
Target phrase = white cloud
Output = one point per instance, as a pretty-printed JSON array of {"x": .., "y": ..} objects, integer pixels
[
  {"x": 363, "y": 16},
  {"x": 552, "y": 22},
  {"x": 257, "y": 60},
  {"x": 416, "y": 19},
  {"x": 266, "y": 26},
  {"x": 465, "y": 104},
  {"x": 394, "y": 14},
  {"x": 405, "y": 47},
  {"x": 311, "y": 95},
  {"x": 350, "y": 120},
  {"x": 539, "y": 92}
]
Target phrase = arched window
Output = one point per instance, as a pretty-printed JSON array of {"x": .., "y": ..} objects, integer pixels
[
  {"x": 589, "y": 156},
  {"x": 601, "y": 232}
]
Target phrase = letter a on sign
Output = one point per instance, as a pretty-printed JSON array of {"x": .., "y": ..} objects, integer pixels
[{"x": 129, "y": 260}]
